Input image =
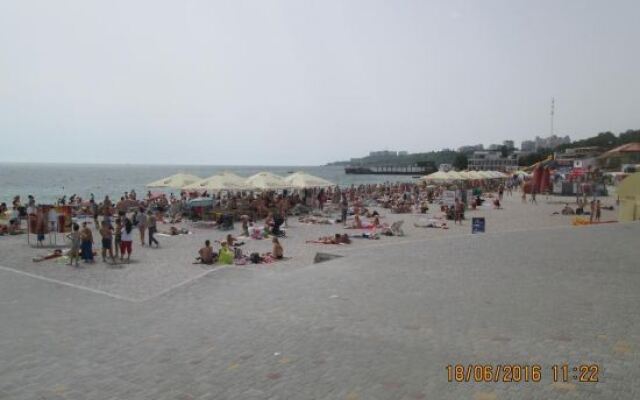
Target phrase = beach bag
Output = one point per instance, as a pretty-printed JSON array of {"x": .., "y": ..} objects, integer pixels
[
  {"x": 255, "y": 258},
  {"x": 225, "y": 257}
]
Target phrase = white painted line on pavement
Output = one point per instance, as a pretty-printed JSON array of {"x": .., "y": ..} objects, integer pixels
[{"x": 88, "y": 289}]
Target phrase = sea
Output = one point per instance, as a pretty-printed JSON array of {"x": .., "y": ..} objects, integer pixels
[{"x": 49, "y": 182}]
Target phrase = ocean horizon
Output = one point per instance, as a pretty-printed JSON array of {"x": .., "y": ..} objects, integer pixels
[{"x": 50, "y": 181}]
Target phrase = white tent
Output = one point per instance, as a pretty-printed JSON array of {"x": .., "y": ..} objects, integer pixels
[
  {"x": 177, "y": 181},
  {"x": 266, "y": 181},
  {"x": 304, "y": 180},
  {"x": 222, "y": 181}
]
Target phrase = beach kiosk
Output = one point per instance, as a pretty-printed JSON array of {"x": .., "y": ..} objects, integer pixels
[{"x": 629, "y": 195}]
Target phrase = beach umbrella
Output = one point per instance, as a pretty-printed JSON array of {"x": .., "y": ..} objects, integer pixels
[
  {"x": 222, "y": 181},
  {"x": 521, "y": 173},
  {"x": 487, "y": 174},
  {"x": 438, "y": 176},
  {"x": 460, "y": 175},
  {"x": 475, "y": 175},
  {"x": 266, "y": 181},
  {"x": 177, "y": 181},
  {"x": 501, "y": 175},
  {"x": 303, "y": 180}
]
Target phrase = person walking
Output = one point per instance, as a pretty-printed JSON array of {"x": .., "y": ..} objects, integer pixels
[
  {"x": 593, "y": 211},
  {"x": 151, "y": 224},
  {"x": 126, "y": 243},
  {"x": 598, "y": 210},
  {"x": 142, "y": 224}
]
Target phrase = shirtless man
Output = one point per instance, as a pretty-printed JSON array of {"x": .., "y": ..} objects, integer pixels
[
  {"x": 206, "y": 253},
  {"x": 106, "y": 231}
]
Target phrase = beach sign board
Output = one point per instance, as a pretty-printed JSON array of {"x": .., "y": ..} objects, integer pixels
[{"x": 477, "y": 225}]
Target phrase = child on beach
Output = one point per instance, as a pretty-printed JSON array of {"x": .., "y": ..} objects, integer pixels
[
  {"x": 126, "y": 244},
  {"x": 74, "y": 237},
  {"x": 87, "y": 243}
]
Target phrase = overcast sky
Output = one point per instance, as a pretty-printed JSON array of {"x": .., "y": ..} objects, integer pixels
[{"x": 306, "y": 82}]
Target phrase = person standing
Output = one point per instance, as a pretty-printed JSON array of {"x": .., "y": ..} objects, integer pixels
[
  {"x": 344, "y": 207},
  {"x": 142, "y": 224},
  {"x": 74, "y": 237},
  {"x": 151, "y": 224},
  {"x": 126, "y": 243},
  {"x": 106, "y": 231},
  {"x": 458, "y": 210},
  {"x": 117, "y": 236},
  {"x": 87, "y": 243},
  {"x": 533, "y": 196},
  {"x": 593, "y": 211},
  {"x": 598, "y": 210}
]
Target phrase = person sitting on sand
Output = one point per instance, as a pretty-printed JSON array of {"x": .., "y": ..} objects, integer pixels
[
  {"x": 226, "y": 255},
  {"x": 567, "y": 210},
  {"x": 206, "y": 254},
  {"x": 357, "y": 223}
]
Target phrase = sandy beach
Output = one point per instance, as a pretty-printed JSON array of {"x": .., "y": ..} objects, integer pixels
[
  {"x": 153, "y": 272},
  {"x": 382, "y": 322}
]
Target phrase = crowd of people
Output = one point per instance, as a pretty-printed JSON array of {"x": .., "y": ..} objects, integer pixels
[{"x": 261, "y": 215}]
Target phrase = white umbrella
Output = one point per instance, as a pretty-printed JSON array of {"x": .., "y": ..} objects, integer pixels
[
  {"x": 486, "y": 174},
  {"x": 459, "y": 175},
  {"x": 475, "y": 175},
  {"x": 266, "y": 181},
  {"x": 222, "y": 181},
  {"x": 177, "y": 181},
  {"x": 438, "y": 176},
  {"x": 304, "y": 180}
]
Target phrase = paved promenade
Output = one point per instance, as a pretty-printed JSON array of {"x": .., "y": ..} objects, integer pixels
[{"x": 380, "y": 323}]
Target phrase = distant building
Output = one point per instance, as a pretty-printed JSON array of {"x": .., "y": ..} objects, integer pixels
[
  {"x": 470, "y": 149},
  {"x": 445, "y": 167},
  {"x": 494, "y": 147},
  {"x": 492, "y": 161},
  {"x": 383, "y": 153},
  {"x": 550, "y": 142},
  {"x": 509, "y": 144},
  {"x": 403, "y": 153},
  {"x": 528, "y": 146}
]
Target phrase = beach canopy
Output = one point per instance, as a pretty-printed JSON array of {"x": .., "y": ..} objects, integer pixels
[
  {"x": 629, "y": 194},
  {"x": 266, "y": 181},
  {"x": 457, "y": 176},
  {"x": 222, "y": 181},
  {"x": 177, "y": 181},
  {"x": 303, "y": 180},
  {"x": 521, "y": 173},
  {"x": 486, "y": 174},
  {"x": 438, "y": 176},
  {"x": 475, "y": 175},
  {"x": 496, "y": 174}
]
